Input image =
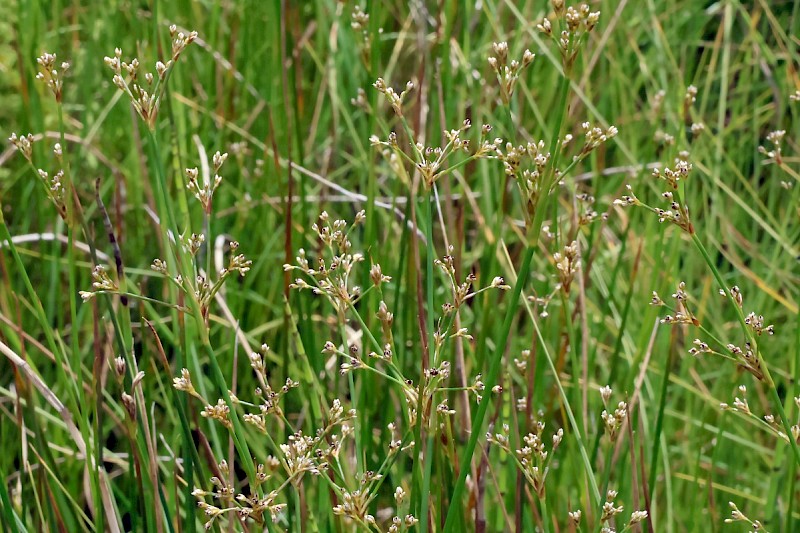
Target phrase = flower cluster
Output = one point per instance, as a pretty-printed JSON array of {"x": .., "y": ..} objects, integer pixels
[
  {"x": 219, "y": 412},
  {"x": 681, "y": 314},
  {"x": 741, "y": 406},
  {"x": 567, "y": 264},
  {"x": 587, "y": 214},
  {"x": 202, "y": 289},
  {"x": 508, "y": 72},
  {"x": 594, "y": 137},
  {"x": 738, "y": 516},
  {"x": 461, "y": 292},
  {"x": 613, "y": 421},
  {"x": 432, "y": 161},
  {"x": 533, "y": 459},
  {"x": 254, "y": 506},
  {"x": 145, "y": 96},
  {"x": 574, "y": 24},
  {"x": 354, "y": 506},
  {"x": 394, "y": 99},
  {"x": 333, "y": 277},
  {"x": 359, "y": 23},
  {"x": 677, "y": 212},
  {"x": 53, "y": 184},
  {"x": 531, "y": 180},
  {"x": 50, "y": 74},
  {"x": 269, "y": 399},
  {"x": 205, "y": 192},
  {"x": 610, "y": 510},
  {"x": 775, "y": 138},
  {"x": 301, "y": 454},
  {"x": 101, "y": 283}
]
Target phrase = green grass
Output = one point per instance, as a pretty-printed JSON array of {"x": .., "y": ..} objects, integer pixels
[{"x": 286, "y": 89}]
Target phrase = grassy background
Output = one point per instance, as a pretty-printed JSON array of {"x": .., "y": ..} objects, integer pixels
[{"x": 273, "y": 84}]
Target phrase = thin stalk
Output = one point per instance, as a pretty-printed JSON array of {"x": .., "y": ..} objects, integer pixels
[
  {"x": 662, "y": 403},
  {"x": 571, "y": 417},
  {"x": 545, "y": 514},
  {"x": 428, "y": 451}
]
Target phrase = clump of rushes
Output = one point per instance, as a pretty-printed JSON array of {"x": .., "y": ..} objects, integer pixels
[
  {"x": 62, "y": 194},
  {"x": 331, "y": 276},
  {"x": 536, "y": 168},
  {"x": 431, "y": 163},
  {"x": 287, "y": 464},
  {"x": 179, "y": 265}
]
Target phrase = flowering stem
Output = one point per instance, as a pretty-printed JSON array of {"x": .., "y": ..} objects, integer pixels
[
  {"x": 773, "y": 392},
  {"x": 184, "y": 267}
]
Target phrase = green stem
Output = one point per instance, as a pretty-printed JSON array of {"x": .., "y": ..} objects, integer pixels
[
  {"x": 424, "y": 498},
  {"x": 545, "y": 514},
  {"x": 662, "y": 403}
]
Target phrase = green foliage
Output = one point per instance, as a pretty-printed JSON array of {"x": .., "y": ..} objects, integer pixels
[{"x": 489, "y": 343}]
